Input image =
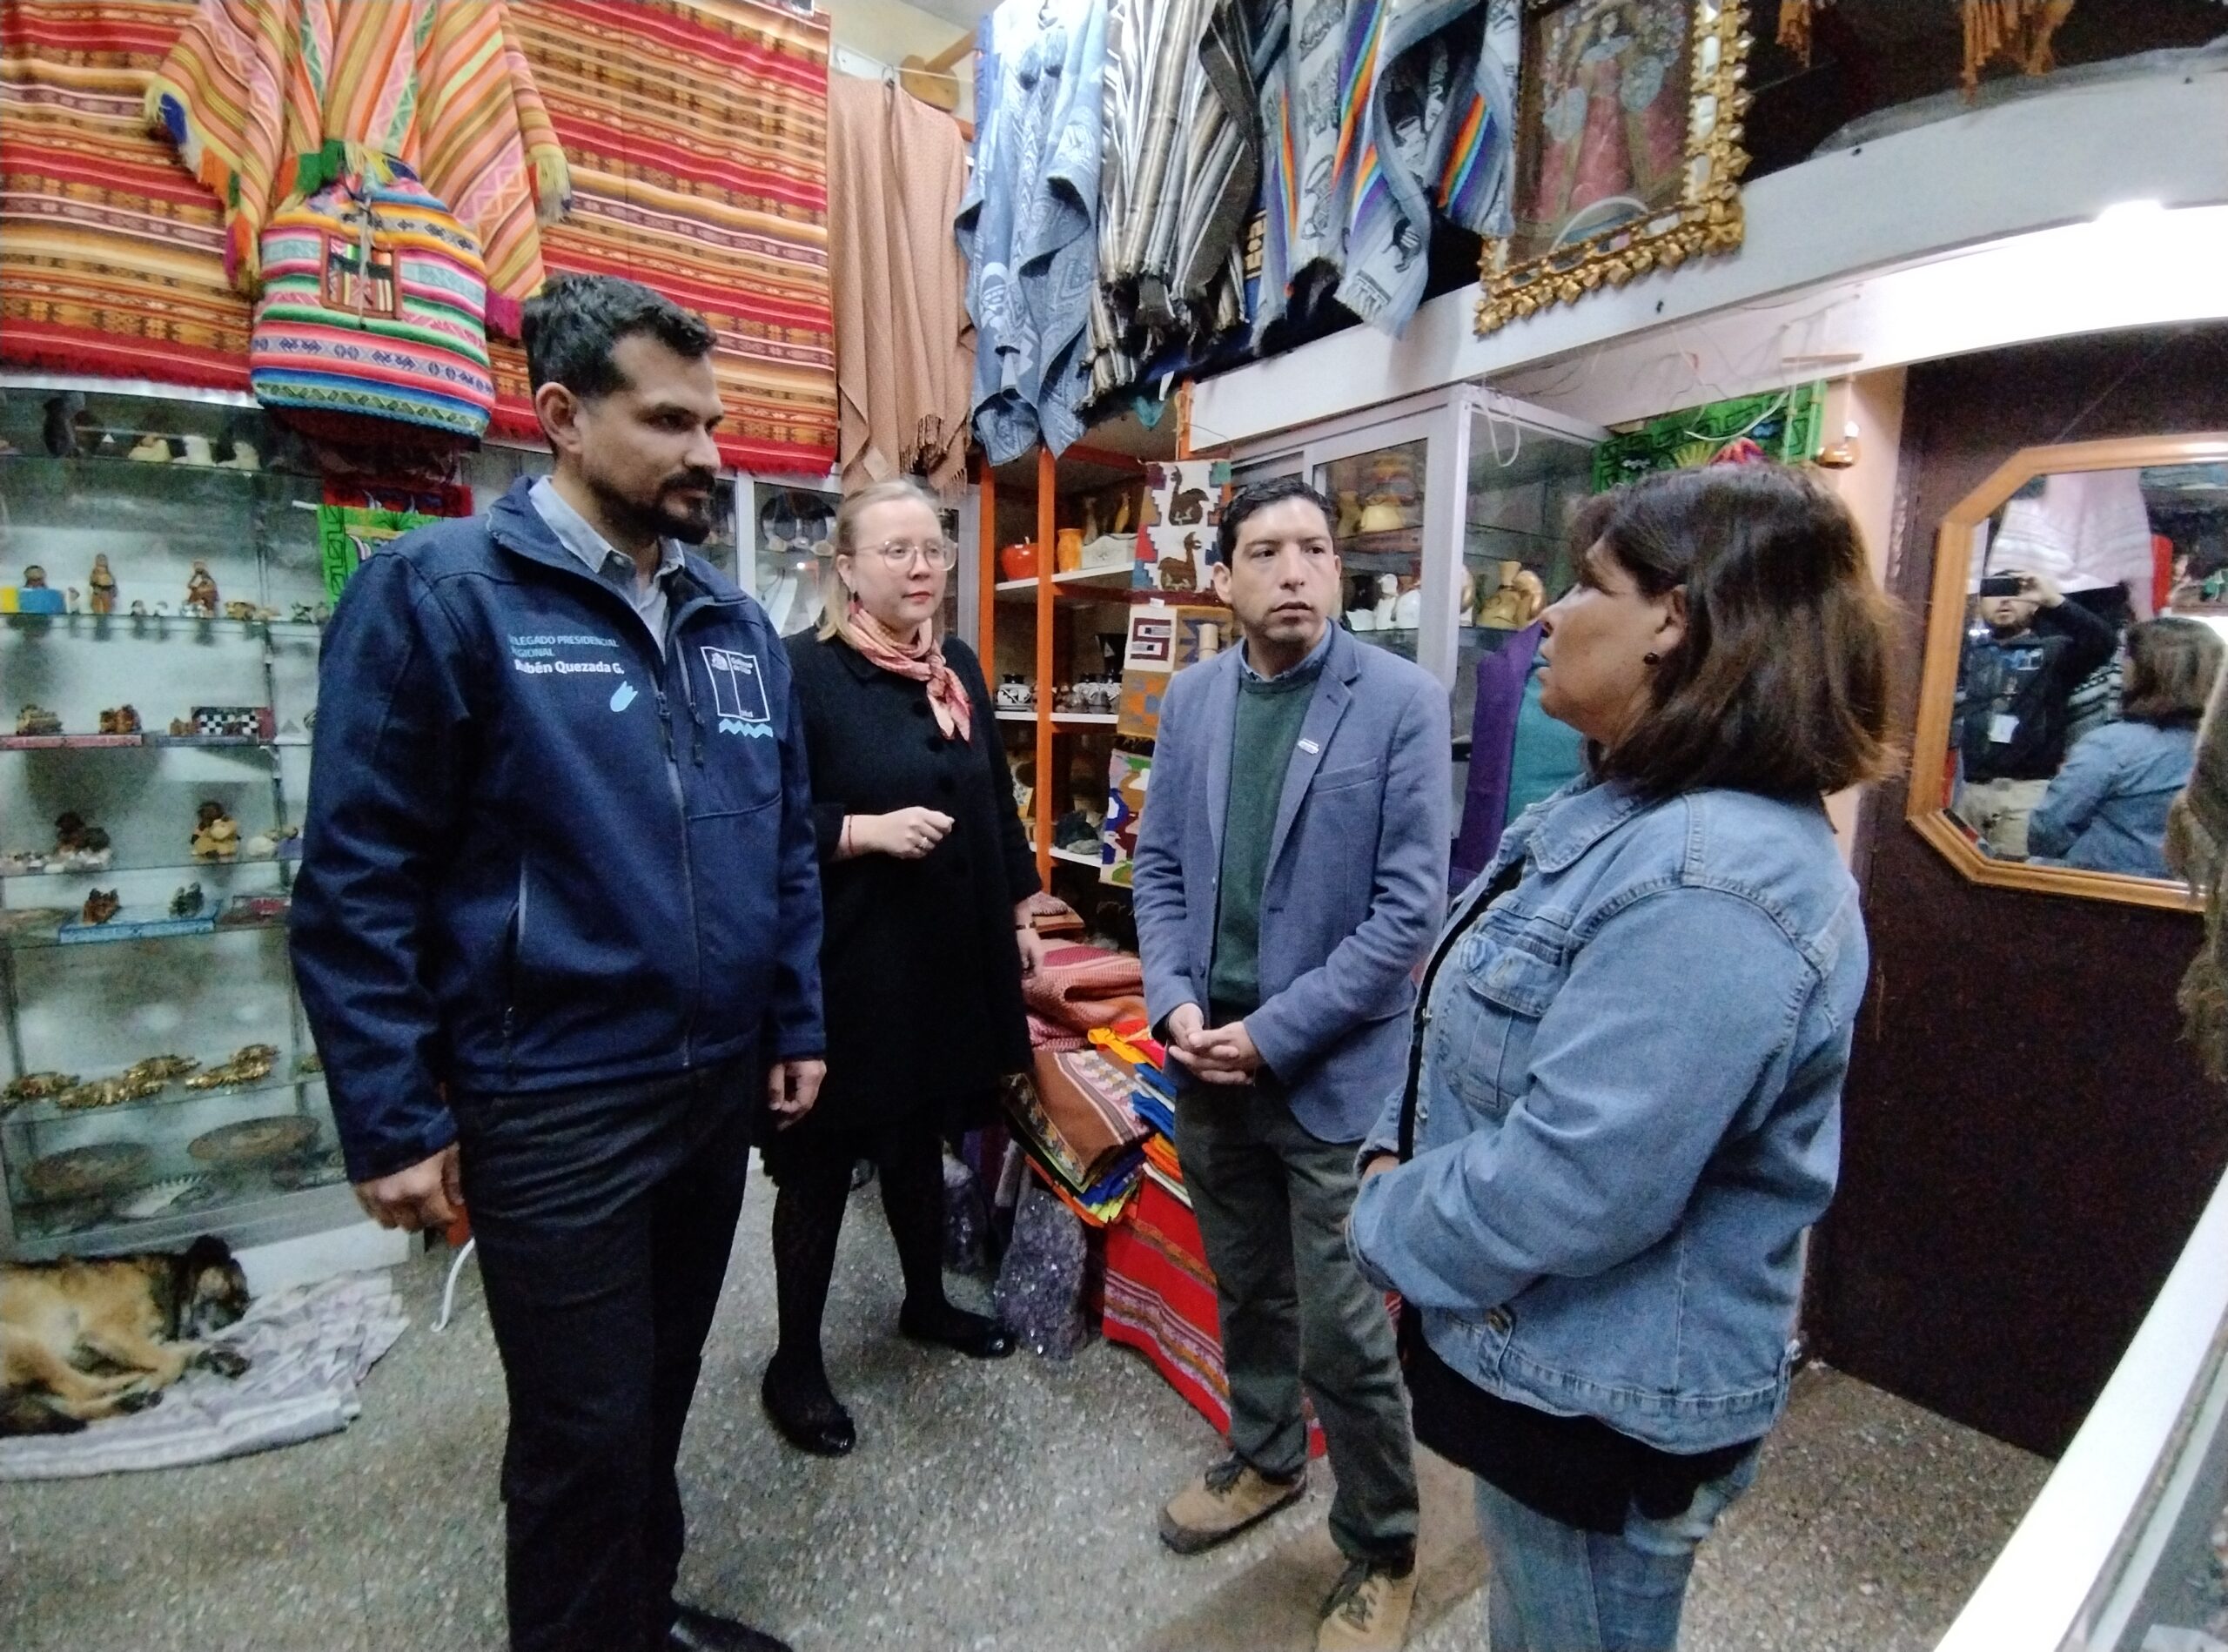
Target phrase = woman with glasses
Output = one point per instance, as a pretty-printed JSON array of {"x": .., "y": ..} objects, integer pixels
[{"x": 924, "y": 870}]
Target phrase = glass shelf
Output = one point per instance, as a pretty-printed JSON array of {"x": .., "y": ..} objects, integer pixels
[
  {"x": 151, "y": 924},
  {"x": 103, "y": 628},
  {"x": 99, "y": 872},
  {"x": 173, "y": 1094},
  {"x": 115, "y": 470},
  {"x": 141, "y": 741},
  {"x": 238, "y": 1200}
]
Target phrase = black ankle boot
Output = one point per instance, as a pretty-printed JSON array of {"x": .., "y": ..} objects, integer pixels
[
  {"x": 950, "y": 1327},
  {"x": 805, "y": 1411}
]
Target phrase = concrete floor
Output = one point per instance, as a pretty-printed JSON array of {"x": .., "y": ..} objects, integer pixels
[{"x": 989, "y": 1507}]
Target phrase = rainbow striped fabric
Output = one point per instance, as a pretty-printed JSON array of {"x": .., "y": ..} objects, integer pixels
[
  {"x": 254, "y": 87},
  {"x": 694, "y": 134},
  {"x": 373, "y": 307}
]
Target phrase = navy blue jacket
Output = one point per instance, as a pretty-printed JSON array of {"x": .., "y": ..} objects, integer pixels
[{"x": 538, "y": 854}]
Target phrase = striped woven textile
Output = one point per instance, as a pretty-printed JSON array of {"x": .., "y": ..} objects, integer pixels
[
  {"x": 111, "y": 254},
  {"x": 1160, "y": 1300},
  {"x": 254, "y": 86},
  {"x": 695, "y": 133}
]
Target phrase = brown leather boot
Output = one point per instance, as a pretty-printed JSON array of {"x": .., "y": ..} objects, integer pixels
[
  {"x": 1226, "y": 1500},
  {"x": 1368, "y": 1611}
]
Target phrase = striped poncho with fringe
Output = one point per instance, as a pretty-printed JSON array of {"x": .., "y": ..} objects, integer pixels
[{"x": 260, "y": 95}]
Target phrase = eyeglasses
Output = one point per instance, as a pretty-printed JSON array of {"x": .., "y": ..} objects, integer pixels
[{"x": 899, "y": 553}]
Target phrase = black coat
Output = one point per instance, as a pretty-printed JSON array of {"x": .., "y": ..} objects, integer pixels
[{"x": 919, "y": 972}]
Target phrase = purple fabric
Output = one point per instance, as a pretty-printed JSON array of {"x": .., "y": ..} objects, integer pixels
[{"x": 1493, "y": 747}]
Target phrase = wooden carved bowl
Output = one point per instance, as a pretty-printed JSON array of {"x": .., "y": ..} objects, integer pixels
[
  {"x": 81, "y": 1172},
  {"x": 255, "y": 1141}
]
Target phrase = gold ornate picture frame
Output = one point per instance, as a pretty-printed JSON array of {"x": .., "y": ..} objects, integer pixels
[{"x": 1632, "y": 110}]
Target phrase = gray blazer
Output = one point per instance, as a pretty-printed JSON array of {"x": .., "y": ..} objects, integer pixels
[{"x": 1357, "y": 880}]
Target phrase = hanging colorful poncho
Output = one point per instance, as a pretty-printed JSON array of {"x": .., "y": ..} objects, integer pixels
[
  {"x": 1429, "y": 117},
  {"x": 1180, "y": 174},
  {"x": 1376, "y": 111},
  {"x": 269, "y": 99}
]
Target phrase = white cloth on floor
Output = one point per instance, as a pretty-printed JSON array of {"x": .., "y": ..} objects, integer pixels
[{"x": 308, "y": 1349}]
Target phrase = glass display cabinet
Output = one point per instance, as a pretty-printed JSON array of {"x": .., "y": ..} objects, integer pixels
[
  {"x": 162, "y": 601},
  {"x": 163, "y": 596},
  {"x": 787, "y": 532},
  {"x": 1451, "y": 512}
]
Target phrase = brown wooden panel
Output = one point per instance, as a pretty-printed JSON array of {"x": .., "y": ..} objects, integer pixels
[{"x": 2027, "y": 1141}]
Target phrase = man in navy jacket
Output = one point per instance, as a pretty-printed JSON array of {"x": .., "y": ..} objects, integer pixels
[{"x": 558, "y": 921}]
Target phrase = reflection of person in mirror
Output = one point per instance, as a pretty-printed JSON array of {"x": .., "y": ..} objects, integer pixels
[
  {"x": 2021, "y": 666},
  {"x": 2106, "y": 809}
]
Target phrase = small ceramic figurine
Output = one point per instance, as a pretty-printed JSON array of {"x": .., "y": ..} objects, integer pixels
[
  {"x": 216, "y": 835},
  {"x": 198, "y": 450},
  {"x": 186, "y": 903},
  {"x": 1408, "y": 610},
  {"x": 121, "y": 720},
  {"x": 201, "y": 599},
  {"x": 78, "y": 847},
  {"x": 35, "y": 720},
  {"x": 242, "y": 457},
  {"x": 138, "y": 610},
  {"x": 35, "y": 596},
  {"x": 265, "y": 846},
  {"x": 72, "y": 593},
  {"x": 100, "y": 906},
  {"x": 1388, "y": 599},
  {"x": 303, "y": 614},
  {"x": 240, "y": 610},
  {"x": 152, "y": 450}
]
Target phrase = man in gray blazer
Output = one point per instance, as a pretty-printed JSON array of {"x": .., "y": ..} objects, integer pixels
[{"x": 1291, "y": 873}]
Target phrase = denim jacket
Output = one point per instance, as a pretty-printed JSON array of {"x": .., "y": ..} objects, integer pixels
[{"x": 1628, "y": 1112}]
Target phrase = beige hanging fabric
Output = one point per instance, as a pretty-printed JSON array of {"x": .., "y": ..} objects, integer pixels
[
  {"x": 2019, "y": 30},
  {"x": 904, "y": 346},
  {"x": 1795, "y": 26}
]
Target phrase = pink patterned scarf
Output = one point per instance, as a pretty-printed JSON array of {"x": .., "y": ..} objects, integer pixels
[{"x": 922, "y": 658}]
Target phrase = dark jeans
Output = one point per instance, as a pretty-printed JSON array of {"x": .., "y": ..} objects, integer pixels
[
  {"x": 1272, "y": 1203},
  {"x": 605, "y": 1216}
]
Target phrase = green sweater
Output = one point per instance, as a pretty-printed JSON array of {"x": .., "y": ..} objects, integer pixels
[{"x": 1270, "y": 714}]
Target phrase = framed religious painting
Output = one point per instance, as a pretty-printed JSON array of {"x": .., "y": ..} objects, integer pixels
[{"x": 1628, "y": 150}]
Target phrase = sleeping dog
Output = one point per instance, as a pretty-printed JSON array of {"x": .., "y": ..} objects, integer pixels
[{"x": 83, "y": 1340}]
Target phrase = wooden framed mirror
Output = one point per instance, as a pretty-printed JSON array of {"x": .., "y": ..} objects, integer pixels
[{"x": 2078, "y": 616}]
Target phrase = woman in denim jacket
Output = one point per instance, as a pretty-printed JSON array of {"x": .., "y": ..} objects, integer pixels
[{"x": 1623, "y": 1106}]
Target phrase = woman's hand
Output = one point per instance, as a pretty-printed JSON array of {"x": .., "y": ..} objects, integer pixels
[
  {"x": 907, "y": 834},
  {"x": 1379, "y": 1165},
  {"x": 1031, "y": 946}
]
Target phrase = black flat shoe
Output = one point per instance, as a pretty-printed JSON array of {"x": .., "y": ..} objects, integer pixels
[
  {"x": 695, "y": 1631},
  {"x": 817, "y": 1423},
  {"x": 958, "y": 1330}
]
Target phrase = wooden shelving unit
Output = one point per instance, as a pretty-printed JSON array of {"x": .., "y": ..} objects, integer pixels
[{"x": 1043, "y": 645}]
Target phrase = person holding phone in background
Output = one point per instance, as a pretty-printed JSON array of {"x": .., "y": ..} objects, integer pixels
[{"x": 2031, "y": 649}]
